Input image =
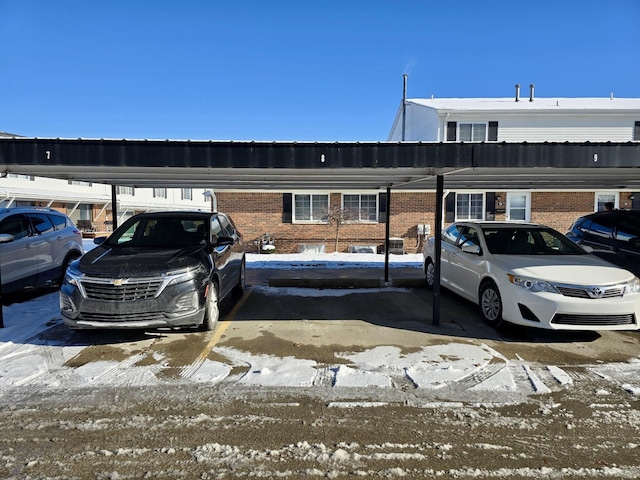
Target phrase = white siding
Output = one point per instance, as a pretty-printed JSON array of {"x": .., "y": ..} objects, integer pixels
[
  {"x": 43, "y": 189},
  {"x": 544, "y": 120},
  {"x": 421, "y": 125},
  {"x": 563, "y": 128}
]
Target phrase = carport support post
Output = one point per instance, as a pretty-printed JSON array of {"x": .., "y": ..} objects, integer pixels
[
  {"x": 114, "y": 207},
  {"x": 386, "y": 238},
  {"x": 437, "y": 249},
  {"x": 1, "y": 307}
]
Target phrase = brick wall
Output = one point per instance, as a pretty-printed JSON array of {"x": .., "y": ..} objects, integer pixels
[
  {"x": 560, "y": 209},
  {"x": 259, "y": 213}
]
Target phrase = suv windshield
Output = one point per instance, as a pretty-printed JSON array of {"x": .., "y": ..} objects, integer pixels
[
  {"x": 160, "y": 232},
  {"x": 529, "y": 241}
]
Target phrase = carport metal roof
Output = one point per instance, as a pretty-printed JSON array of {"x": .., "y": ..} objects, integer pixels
[
  {"x": 289, "y": 166},
  {"x": 284, "y": 166}
]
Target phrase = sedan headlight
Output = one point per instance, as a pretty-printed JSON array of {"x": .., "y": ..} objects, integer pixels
[
  {"x": 531, "y": 284},
  {"x": 633, "y": 286}
]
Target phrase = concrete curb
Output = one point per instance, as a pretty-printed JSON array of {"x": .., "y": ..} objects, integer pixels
[{"x": 317, "y": 282}]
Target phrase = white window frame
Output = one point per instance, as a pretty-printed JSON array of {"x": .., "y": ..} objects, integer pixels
[
  {"x": 160, "y": 192},
  {"x": 474, "y": 126},
  {"x": 80, "y": 183},
  {"x": 527, "y": 207},
  {"x": 460, "y": 218},
  {"x": 20, "y": 176},
  {"x": 122, "y": 190},
  {"x": 600, "y": 198},
  {"x": 186, "y": 193},
  {"x": 311, "y": 220},
  {"x": 359, "y": 218}
]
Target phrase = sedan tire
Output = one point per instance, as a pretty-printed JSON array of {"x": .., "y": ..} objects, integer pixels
[
  {"x": 211, "y": 309},
  {"x": 491, "y": 304},
  {"x": 429, "y": 273}
]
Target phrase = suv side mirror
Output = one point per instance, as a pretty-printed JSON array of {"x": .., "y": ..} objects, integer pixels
[
  {"x": 6, "y": 238},
  {"x": 224, "y": 241}
]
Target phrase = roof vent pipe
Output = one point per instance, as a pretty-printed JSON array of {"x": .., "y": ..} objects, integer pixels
[
  {"x": 517, "y": 92},
  {"x": 531, "y": 88},
  {"x": 404, "y": 106}
]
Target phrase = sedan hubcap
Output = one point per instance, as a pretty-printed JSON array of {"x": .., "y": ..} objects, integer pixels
[{"x": 490, "y": 304}]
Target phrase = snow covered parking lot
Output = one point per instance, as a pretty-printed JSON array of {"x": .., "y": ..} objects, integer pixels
[{"x": 299, "y": 383}]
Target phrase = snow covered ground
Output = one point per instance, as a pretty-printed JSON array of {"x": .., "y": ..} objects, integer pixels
[{"x": 38, "y": 354}]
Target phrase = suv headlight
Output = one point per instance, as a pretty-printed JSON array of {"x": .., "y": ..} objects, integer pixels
[
  {"x": 180, "y": 276},
  {"x": 531, "y": 284},
  {"x": 73, "y": 276}
]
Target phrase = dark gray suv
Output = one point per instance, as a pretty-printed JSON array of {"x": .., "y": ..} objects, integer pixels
[
  {"x": 613, "y": 235},
  {"x": 165, "y": 269},
  {"x": 36, "y": 245}
]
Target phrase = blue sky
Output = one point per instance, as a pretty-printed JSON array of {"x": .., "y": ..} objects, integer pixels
[{"x": 294, "y": 70}]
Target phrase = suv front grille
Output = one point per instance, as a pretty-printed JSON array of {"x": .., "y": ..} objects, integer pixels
[
  {"x": 124, "y": 292},
  {"x": 122, "y": 317}
]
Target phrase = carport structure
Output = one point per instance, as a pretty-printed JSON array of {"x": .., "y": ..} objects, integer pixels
[{"x": 336, "y": 166}]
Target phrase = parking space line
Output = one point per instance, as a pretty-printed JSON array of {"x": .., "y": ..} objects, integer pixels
[{"x": 222, "y": 327}]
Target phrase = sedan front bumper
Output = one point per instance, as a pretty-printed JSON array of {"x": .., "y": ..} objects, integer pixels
[{"x": 559, "y": 312}]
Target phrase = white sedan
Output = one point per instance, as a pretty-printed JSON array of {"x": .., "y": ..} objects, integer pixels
[{"x": 533, "y": 275}]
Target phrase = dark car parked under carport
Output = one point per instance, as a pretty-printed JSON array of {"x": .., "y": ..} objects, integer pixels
[
  {"x": 613, "y": 235},
  {"x": 166, "y": 269}
]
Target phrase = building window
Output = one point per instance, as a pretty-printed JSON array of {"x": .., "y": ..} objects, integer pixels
[
  {"x": 473, "y": 132},
  {"x": 159, "y": 193},
  {"x": 363, "y": 207},
  {"x": 187, "y": 194},
  {"x": 636, "y": 132},
  {"x": 469, "y": 206},
  {"x": 125, "y": 190},
  {"x": 79, "y": 183},
  {"x": 20, "y": 176},
  {"x": 605, "y": 198},
  {"x": 310, "y": 207}
]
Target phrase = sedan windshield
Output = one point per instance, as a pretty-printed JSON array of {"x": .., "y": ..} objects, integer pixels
[
  {"x": 529, "y": 241},
  {"x": 159, "y": 233}
]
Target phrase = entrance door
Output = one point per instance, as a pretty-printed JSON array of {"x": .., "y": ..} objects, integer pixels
[{"x": 518, "y": 207}]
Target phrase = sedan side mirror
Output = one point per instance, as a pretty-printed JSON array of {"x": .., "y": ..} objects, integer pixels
[{"x": 472, "y": 249}]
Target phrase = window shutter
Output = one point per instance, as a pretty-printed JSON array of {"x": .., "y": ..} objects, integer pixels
[
  {"x": 493, "y": 132},
  {"x": 382, "y": 208},
  {"x": 490, "y": 206},
  {"x": 451, "y": 131},
  {"x": 636, "y": 131},
  {"x": 450, "y": 208},
  {"x": 287, "y": 208},
  {"x": 635, "y": 203}
]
